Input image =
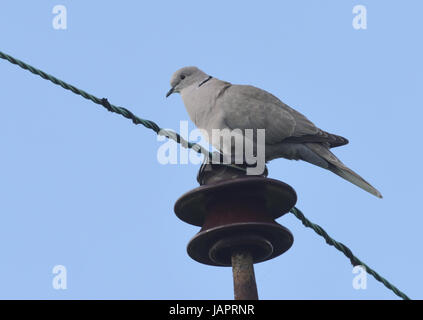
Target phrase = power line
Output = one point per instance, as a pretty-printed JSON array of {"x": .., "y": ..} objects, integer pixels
[
  {"x": 347, "y": 252},
  {"x": 110, "y": 107},
  {"x": 198, "y": 148}
]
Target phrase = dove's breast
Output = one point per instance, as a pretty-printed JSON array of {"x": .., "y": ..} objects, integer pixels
[{"x": 200, "y": 103}]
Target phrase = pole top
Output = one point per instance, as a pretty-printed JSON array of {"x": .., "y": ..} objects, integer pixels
[
  {"x": 231, "y": 184},
  {"x": 236, "y": 212}
]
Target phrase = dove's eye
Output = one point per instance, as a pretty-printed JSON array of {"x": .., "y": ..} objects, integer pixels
[{"x": 182, "y": 77}]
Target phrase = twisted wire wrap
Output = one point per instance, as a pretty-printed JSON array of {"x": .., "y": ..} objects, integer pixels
[
  {"x": 347, "y": 252},
  {"x": 198, "y": 148}
]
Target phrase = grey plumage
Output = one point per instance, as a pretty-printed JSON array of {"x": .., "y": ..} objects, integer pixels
[{"x": 215, "y": 104}]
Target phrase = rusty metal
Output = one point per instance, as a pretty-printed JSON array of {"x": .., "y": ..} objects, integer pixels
[
  {"x": 245, "y": 287},
  {"x": 237, "y": 215},
  {"x": 258, "y": 247}
]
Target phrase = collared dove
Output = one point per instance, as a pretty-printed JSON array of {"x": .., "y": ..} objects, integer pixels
[{"x": 215, "y": 104}]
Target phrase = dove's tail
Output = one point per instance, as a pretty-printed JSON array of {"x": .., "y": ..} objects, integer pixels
[
  {"x": 336, "y": 166},
  {"x": 354, "y": 178}
]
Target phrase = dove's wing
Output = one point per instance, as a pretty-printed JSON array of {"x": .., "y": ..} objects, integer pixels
[{"x": 248, "y": 107}]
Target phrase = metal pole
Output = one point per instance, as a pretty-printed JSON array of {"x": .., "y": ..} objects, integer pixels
[
  {"x": 237, "y": 216},
  {"x": 245, "y": 287}
]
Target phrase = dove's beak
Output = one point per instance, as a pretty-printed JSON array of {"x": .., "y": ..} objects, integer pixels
[{"x": 170, "y": 92}]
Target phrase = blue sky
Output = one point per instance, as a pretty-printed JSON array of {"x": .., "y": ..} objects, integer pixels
[{"x": 82, "y": 187}]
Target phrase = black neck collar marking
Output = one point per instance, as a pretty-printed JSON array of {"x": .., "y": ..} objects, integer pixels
[{"x": 204, "y": 81}]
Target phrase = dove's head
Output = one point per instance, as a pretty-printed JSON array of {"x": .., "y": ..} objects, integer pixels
[{"x": 186, "y": 77}]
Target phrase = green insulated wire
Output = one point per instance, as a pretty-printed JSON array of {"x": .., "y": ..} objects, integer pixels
[
  {"x": 347, "y": 252},
  {"x": 112, "y": 108},
  {"x": 198, "y": 148}
]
